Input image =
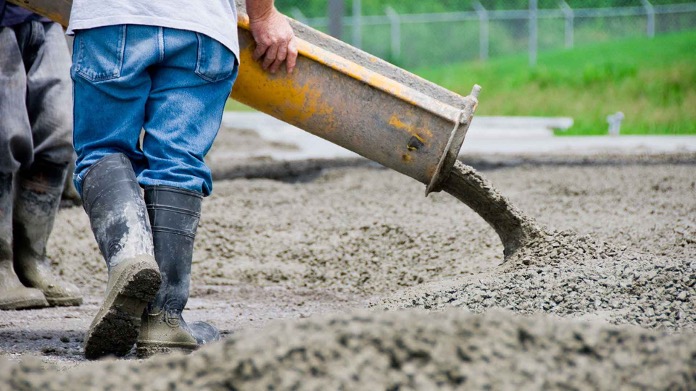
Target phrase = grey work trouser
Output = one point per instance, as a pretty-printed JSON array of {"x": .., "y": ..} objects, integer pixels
[{"x": 35, "y": 96}]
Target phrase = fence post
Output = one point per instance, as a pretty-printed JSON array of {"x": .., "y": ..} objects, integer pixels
[
  {"x": 336, "y": 18},
  {"x": 395, "y": 23},
  {"x": 357, "y": 23},
  {"x": 533, "y": 30},
  {"x": 569, "y": 23},
  {"x": 483, "y": 30},
  {"x": 650, "y": 14}
]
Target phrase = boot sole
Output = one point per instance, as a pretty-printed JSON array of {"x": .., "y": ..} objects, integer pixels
[
  {"x": 23, "y": 304},
  {"x": 64, "y": 301},
  {"x": 115, "y": 329},
  {"x": 145, "y": 350}
]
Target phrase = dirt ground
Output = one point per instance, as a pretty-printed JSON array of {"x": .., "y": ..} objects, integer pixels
[{"x": 348, "y": 278}]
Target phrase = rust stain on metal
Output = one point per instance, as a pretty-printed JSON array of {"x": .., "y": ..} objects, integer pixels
[
  {"x": 410, "y": 128},
  {"x": 415, "y": 143}
]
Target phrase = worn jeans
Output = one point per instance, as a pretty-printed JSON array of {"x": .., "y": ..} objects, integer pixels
[
  {"x": 172, "y": 84},
  {"x": 35, "y": 96}
]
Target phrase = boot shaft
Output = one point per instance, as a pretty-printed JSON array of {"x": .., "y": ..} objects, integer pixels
[
  {"x": 116, "y": 210},
  {"x": 174, "y": 215},
  {"x": 36, "y": 202},
  {"x": 6, "y": 217},
  {"x": 13, "y": 295}
]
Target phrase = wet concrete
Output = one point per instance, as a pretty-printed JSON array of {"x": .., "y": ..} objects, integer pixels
[
  {"x": 514, "y": 228},
  {"x": 616, "y": 262}
]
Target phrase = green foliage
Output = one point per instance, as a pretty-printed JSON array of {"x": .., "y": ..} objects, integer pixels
[
  {"x": 652, "y": 81},
  {"x": 318, "y": 8}
]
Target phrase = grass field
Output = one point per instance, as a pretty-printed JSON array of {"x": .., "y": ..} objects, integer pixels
[{"x": 652, "y": 81}]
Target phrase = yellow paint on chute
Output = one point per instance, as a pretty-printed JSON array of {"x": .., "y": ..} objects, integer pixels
[{"x": 279, "y": 95}]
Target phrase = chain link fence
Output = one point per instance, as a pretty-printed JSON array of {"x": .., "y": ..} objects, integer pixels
[{"x": 412, "y": 40}]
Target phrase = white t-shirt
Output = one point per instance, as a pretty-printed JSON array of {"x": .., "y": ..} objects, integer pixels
[{"x": 214, "y": 18}]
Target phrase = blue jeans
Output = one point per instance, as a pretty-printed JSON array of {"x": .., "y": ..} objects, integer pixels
[{"x": 171, "y": 83}]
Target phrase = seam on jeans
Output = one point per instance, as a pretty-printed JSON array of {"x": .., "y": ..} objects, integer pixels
[
  {"x": 160, "y": 41},
  {"x": 202, "y": 56},
  {"x": 122, "y": 49},
  {"x": 94, "y": 77},
  {"x": 199, "y": 56}
]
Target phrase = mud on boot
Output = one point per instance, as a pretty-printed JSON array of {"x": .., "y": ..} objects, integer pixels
[
  {"x": 120, "y": 225},
  {"x": 35, "y": 206},
  {"x": 167, "y": 331},
  {"x": 174, "y": 214},
  {"x": 13, "y": 294}
]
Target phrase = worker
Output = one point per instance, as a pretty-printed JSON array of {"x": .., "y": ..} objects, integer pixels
[
  {"x": 35, "y": 152},
  {"x": 163, "y": 69}
]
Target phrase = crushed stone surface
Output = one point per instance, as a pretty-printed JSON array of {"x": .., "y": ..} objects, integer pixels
[
  {"x": 617, "y": 265},
  {"x": 400, "y": 350}
]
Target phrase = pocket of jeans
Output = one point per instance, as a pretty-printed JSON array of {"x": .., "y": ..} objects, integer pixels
[
  {"x": 215, "y": 61},
  {"x": 100, "y": 51}
]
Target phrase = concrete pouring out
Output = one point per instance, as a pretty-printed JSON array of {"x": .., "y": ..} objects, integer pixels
[{"x": 512, "y": 226}]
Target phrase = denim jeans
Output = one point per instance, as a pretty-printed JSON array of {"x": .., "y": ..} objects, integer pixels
[
  {"x": 35, "y": 96},
  {"x": 171, "y": 84}
]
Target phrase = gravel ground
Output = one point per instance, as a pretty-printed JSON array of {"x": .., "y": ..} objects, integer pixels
[
  {"x": 401, "y": 351},
  {"x": 616, "y": 268}
]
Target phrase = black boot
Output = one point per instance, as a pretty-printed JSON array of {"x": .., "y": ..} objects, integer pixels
[
  {"x": 70, "y": 195},
  {"x": 36, "y": 204},
  {"x": 119, "y": 221},
  {"x": 13, "y": 295},
  {"x": 174, "y": 215}
]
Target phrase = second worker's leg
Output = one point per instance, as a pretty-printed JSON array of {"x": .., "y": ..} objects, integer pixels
[
  {"x": 39, "y": 185},
  {"x": 13, "y": 295},
  {"x": 36, "y": 204}
]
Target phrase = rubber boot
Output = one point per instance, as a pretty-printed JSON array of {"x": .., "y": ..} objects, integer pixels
[
  {"x": 174, "y": 215},
  {"x": 70, "y": 195},
  {"x": 36, "y": 204},
  {"x": 118, "y": 217},
  {"x": 13, "y": 295}
]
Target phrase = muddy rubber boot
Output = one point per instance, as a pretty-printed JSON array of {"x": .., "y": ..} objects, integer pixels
[
  {"x": 35, "y": 206},
  {"x": 70, "y": 194},
  {"x": 120, "y": 224},
  {"x": 174, "y": 215},
  {"x": 13, "y": 294}
]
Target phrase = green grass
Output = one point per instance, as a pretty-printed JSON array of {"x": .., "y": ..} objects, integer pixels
[
  {"x": 652, "y": 81},
  {"x": 233, "y": 105}
]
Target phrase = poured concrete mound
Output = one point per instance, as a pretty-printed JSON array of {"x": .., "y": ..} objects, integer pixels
[
  {"x": 400, "y": 350},
  {"x": 569, "y": 275}
]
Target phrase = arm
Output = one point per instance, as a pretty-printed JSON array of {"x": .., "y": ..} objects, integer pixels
[{"x": 275, "y": 40}]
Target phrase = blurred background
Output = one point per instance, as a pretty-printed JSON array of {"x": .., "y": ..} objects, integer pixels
[{"x": 586, "y": 60}]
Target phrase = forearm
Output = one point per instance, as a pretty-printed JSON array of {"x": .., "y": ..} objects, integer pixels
[{"x": 259, "y": 9}]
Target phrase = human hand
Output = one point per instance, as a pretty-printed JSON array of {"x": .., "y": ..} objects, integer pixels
[{"x": 275, "y": 41}]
